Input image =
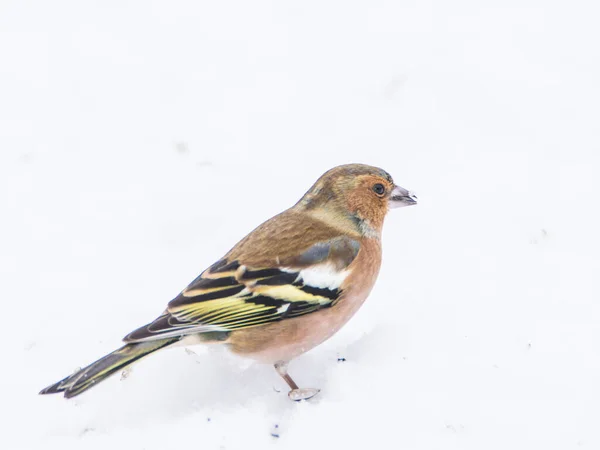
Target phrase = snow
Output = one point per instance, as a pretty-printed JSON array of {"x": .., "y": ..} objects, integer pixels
[{"x": 140, "y": 140}]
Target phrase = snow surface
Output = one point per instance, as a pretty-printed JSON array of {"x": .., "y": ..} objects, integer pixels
[{"x": 140, "y": 140}]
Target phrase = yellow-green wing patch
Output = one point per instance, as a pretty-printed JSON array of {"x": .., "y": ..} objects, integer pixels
[{"x": 230, "y": 296}]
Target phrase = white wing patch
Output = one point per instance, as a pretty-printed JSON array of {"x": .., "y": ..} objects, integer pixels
[
  {"x": 324, "y": 276},
  {"x": 283, "y": 308}
]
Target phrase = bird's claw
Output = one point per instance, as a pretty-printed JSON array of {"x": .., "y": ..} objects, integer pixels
[{"x": 302, "y": 394}]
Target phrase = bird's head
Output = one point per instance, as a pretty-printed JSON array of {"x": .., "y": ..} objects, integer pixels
[{"x": 355, "y": 196}]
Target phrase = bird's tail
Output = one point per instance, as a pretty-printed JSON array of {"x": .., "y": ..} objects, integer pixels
[{"x": 93, "y": 374}]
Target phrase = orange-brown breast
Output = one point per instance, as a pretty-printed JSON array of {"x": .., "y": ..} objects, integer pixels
[{"x": 289, "y": 338}]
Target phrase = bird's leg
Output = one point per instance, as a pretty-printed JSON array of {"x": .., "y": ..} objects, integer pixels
[{"x": 296, "y": 393}]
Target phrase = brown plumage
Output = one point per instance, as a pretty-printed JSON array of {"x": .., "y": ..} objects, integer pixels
[
  {"x": 286, "y": 287},
  {"x": 298, "y": 335}
]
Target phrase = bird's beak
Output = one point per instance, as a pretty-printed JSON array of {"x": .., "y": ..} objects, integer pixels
[{"x": 401, "y": 197}]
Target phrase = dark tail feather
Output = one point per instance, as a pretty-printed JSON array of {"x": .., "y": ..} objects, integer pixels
[{"x": 93, "y": 374}]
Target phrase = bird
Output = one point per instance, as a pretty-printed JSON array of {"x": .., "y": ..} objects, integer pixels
[{"x": 285, "y": 288}]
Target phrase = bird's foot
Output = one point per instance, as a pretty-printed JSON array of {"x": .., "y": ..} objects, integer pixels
[{"x": 302, "y": 393}]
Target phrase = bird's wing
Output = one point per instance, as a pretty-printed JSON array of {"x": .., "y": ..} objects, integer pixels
[{"x": 230, "y": 295}]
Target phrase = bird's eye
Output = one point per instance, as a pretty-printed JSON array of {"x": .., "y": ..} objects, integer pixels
[{"x": 379, "y": 189}]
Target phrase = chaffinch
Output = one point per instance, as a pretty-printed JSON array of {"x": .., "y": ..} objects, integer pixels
[{"x": 283, "y": 289}]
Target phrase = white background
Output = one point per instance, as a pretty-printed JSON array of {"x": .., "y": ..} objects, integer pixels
[{"x": 140, "y": 140}]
